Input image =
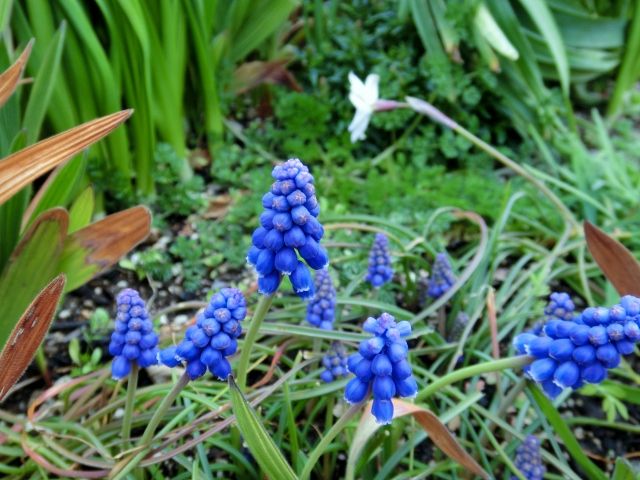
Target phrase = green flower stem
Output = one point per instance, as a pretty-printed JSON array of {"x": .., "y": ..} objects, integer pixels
[
  {"x": 243, "y": 363},
  {"x": 160, "y": 412},
  {"x": 337, "y": 427},
  {"x": 420, "y": 106},
  {"x": 132, "y": 384},
  {"x": 472, "y": 371}
]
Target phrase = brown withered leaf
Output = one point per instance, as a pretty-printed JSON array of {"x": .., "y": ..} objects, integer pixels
[
  {"x": 616, "y": 262},
  {"x": 251, "y": 74},
  {"x": 25, "y": 166},
  {"x": 91, "y": 250},
  {"x": 438, "y": 433},
  {"x": 28, "y": 334},
  {"x": 218, "y": 207},
  {"x": 10, "y": 78}
]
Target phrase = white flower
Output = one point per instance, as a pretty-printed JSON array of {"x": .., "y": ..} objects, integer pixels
[{"x": 364, "y": 97}]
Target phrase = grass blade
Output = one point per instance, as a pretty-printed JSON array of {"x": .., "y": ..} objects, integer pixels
[{"x": 260, "y": 442}]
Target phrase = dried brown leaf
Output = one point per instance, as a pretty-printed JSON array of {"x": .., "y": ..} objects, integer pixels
[
  {"x": 438, "y": 433},
  {"x": 616, "y": 262},
  {"x": 25, "y": 166},
  {"x": 91, "y": 250},
  {"x": 10, "y": 78},
  {"x": 28, "y": 334}
]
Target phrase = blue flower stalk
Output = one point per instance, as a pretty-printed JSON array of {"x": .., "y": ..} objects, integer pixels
[
  {"x": 289, "y": 229},
  {"x": 335, "y": 363},
  {"x": 442, "y": 277},
  {"x": 381, "y": 367},
  {"x": 570, "y": 353},
  {"x": 321, "y": 310},
  {"x": 213, "y": 338},
  {"x": 133, "y": 341},
  {"x": 529, "y": 460},
  {"x": 380, "y": 270}
]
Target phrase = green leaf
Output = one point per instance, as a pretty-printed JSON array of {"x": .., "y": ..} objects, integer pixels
[
  {"x": 566, "y": 435},
  {"x": 624, "y": 470},
  {"x": 31, "y": 267},
  {"x": 43, "y": 86},
  {"x": 82, "y": 210},
  {"x": 257, "y": 438},
  {"x": 543, "y": 19}
]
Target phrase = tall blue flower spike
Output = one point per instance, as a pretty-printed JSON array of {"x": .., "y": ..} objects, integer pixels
[
  {"x": 213, "y": 338},
  {"x": 379, "y": 271},
  {"x": 288, "y": 228},
  {"x": 569, "y": 353},
  {"x": 442, "y": 277},
  {"x": 335, "y": 363},
  {"x": 321, "y": 310},
  {"x": 381, "y": 366},
  {"x": 133, "y": 339},
  {"x": 529, "y": 460}
]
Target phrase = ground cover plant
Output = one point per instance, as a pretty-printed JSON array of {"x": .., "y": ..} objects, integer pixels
[{"x": 389, "y": 240}]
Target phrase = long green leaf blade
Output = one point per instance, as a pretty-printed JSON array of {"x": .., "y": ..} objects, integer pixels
[{"x": 259, "y": 441}]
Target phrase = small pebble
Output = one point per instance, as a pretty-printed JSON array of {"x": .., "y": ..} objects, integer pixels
[{"x": 64, "y": 314}]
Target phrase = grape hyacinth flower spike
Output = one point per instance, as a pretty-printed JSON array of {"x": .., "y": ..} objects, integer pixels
[
  {"x": 381, "y": 367},
  {"x": 569, "y": 353},
  {"x": 529, "y": 460},
  {"x": 288, "y": 228},
  {"x": 321, "y": 309},
  {"x": 213, "y": 338},
  {"x": 560, "y": 306},
  {"x": 133, "y": 340},
  {"x": 380, "y": 270},
  {"x": 335, "y": 363},
  {"x": 442, "y": 277}
]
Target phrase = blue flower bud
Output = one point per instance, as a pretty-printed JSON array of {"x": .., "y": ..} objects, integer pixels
[
  {"x": 296, "y": 198},
  {"x": 631, "y": 305},
  {"x": 187, "y": 350},
  {"x": 594, "y": 373},
  {"x": 379, "y": 271},
  {"x": 222, "y": 369},
  {"x": 196, "y": 369},
  {"x": 286, "y": 260},
  {"x": 326, "y": 376},
  {"x": 258, "y": 237},
  {"x": 566, "y": 375},
  {"x": 407, "y": 387},
  {"x": 269, "y": 283},
  {"x": 353, "y": 361},
  {"x": 598, "y": 335},
  {"x": 521, "y": 342},
  {"x": 169, "y": 357},
  {"x": 115, "y": 349},
  {"x": 210, "y": 326},
  {"x": 356, "y": 390},
  {"x": 313, "y": 228},
  {"x": 200, "y": 339},
  {"x": 404, "y": 328},
  {"x": 381, "y": 365},
  {"x": 295, "y": 237},
  {"x": 220, "y": 341},
  {"x": 282, "y": 222},
  {"x": 584, "y": 354},
  {"x": 231, "y": 348},
  {"x": 267, "y": 200},
  {"x": 210, "y": 357},
  {"x": 280, "y": 203},
  {"x": 265, "y": 263},
  {"x": 580, "y": 334},
  {"x": 397, "y": 352},
  {"x": 274, "y": 240},
  {"x": 120, "y": 367},
  {"x": 560, "y": 306},
  {"x": 130, "y": 352},
  {"x": 320, "y": 261},
  {"x": 551, "y": 327},
  {"x": 561, "y": 349},
  {"x": 371, "y": 347},
  {"x": 302, "y": 281},
  {"x": 383, "y": 387},
  {"x": 564, "y": 329},
  {"x": 543, "y": 369},
  {"x": 608, "y": 355},
  {"x": 401, "y": 370},
  {"x": 551, "y": 389},
  {"x": 615, "y": 332},
  {"x": 266, "y": 218},
  {"x": 539, "y": 346},
  {"x": 625, "y": 347},
  {"x": 382, "y": 410},
  {"x": 632, "y": 331},
  {"x": 148, "y": 357}
]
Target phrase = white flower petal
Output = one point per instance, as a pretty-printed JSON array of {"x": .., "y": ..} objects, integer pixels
[
  {"x": 371, "y": 87},
  {"x": 358, "y": 125},
  {"x": 356, "y": 83},
  {"x": 360, "y": 102}
]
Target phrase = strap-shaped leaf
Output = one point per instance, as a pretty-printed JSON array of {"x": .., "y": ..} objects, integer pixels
[
  {"x": 616, "y": 262},
  {"x": 28, "y": 334},
  {"x": 438, "y": 433},
  {"x": 260, "y": 443},
  {"x": 10, "y": 77},
  {"x": 33, "y": 263},
  {"x": 23, "y": 167},
  {"x": 91, "y": 250}
]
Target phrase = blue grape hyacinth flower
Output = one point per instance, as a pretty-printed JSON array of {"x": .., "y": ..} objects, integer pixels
[
  {"x": 289, "y": 228},
  {"x": 321, "y": 310},
  {"x": 442, "y": 277},
  {"x": 560, "y": 306},
  {"x": 380, "y": 270},
  {"x": 133, "y": 339},
  {"x": 381, "y": 367},
  {"x": 569, "y": 353},
  {"x": 529, "y": 460},
  {"x": 213, "y": 338},
  {"x": 335, "y": 363}
]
